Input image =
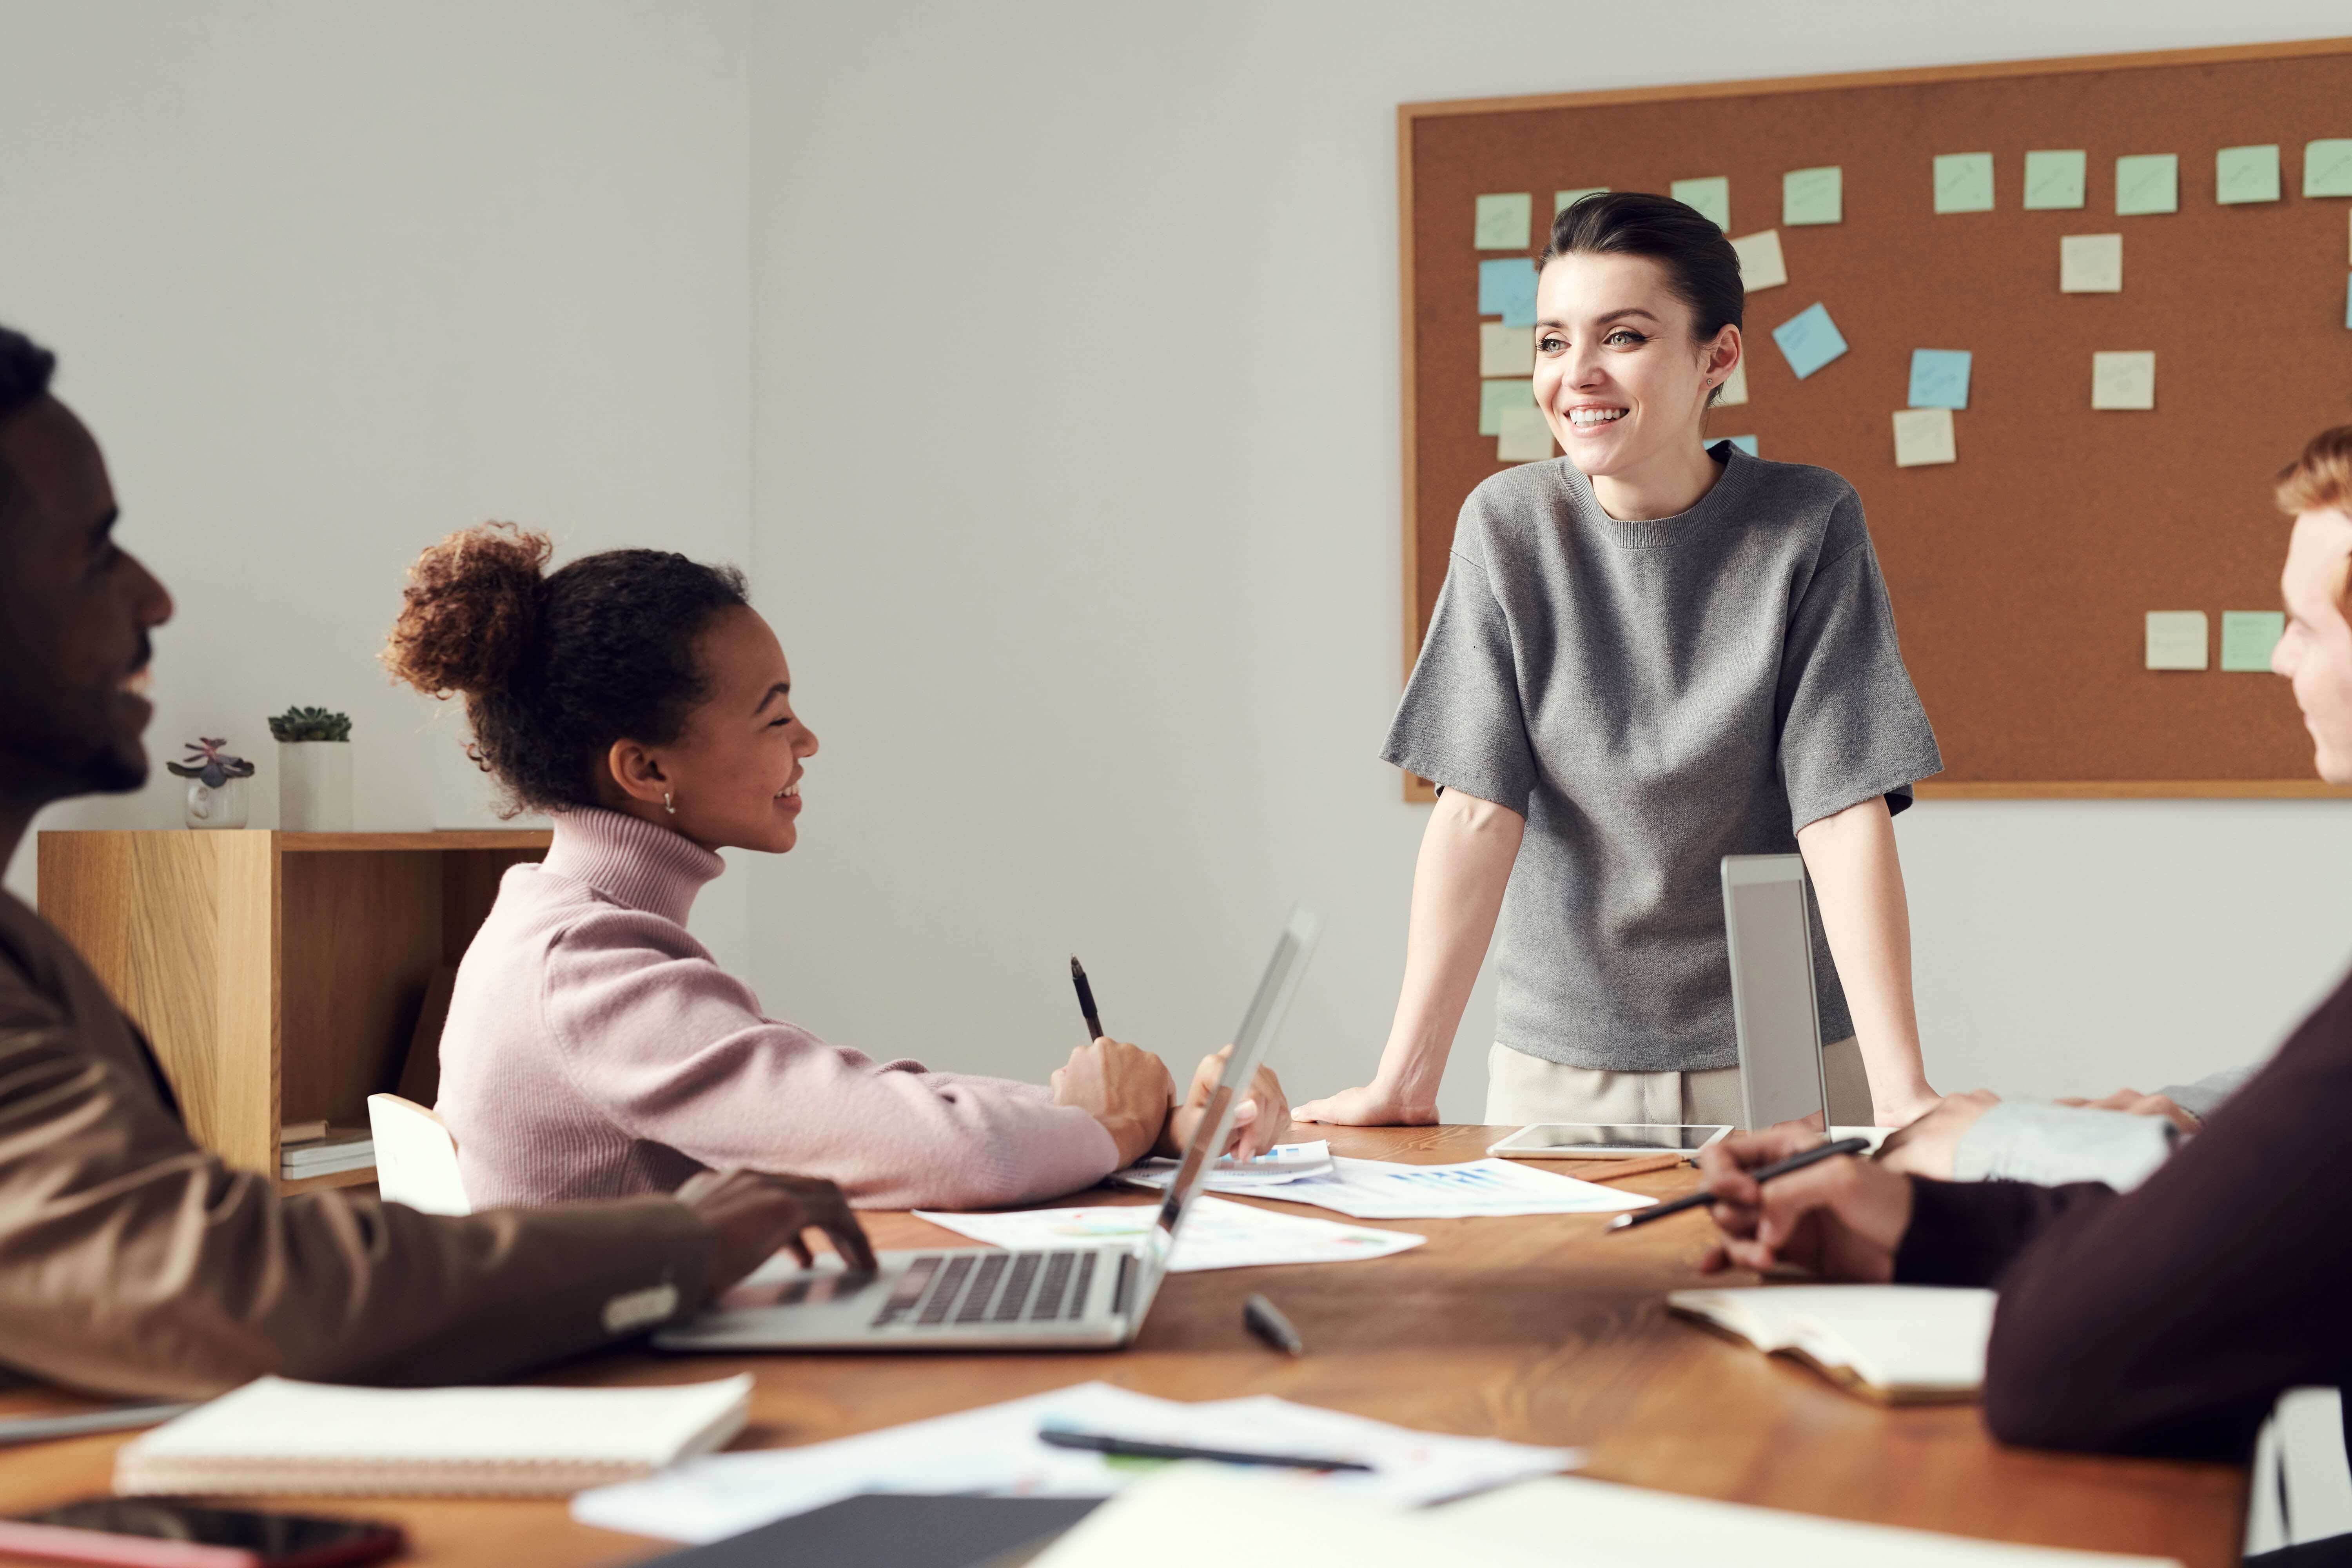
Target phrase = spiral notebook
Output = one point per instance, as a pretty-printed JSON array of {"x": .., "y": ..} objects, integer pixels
[{"x": 274, "y": 1435}]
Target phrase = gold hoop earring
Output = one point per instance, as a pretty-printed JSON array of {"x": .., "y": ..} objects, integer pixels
[{"x": 668, "y": 805}]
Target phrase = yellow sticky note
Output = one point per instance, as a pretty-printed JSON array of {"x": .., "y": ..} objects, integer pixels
[
  {"x": 1735, "y": 386},
  {"x": 1503, "y": 221},
  {"x": 2091, "y": 264},
  {"x": 1923, "y": 435},
  {"x": 1761, "y": 265},
  {"x": 1964, "y": 183},
  {"x": 2122, "y": 380},
  {"x": 2177, "y": 640},
  {"x": 1563, "y": 200},
  {"x": 1711, "y": 197},
  {"x": 1523, "y": 437},
  {"x": 2246, "y": 174},
  {"x": 1506, "y": 351}
]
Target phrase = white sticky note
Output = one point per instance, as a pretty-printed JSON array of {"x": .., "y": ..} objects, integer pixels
[
  {"x": 1506, "y": 351},
  {"x": 1525, "y": 438},
  {"x": 2091, "y": 264},
  {"x": 1923, "y": 435},
  {"x": 2122, "y": 380},
  {"x": 1735, "y": 386},
  {"x": 1761, "y": 265},
  {"x": 2177, "y": 640}
]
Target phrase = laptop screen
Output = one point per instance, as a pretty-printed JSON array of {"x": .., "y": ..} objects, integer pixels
[{"x": 1250, "y": 1044}]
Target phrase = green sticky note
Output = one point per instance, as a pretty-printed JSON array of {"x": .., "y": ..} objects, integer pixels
[
  {"x": 2248, "y": 637},
  {"x": 1494, "y": 397},
  {"x": 1503, "y": 221},
  {"x": 2246, "y": 174},
  {"x": 1964, "y": 183},
  {"x": 2327, "y": 168},
  {"x": 1812, "y": 196},
  {"x": 2054, "y": 180},
  {"x": 1563, "y": 200},
  {"x": 2148, "y": 183},
  {"x": 1711, "y": 197}
]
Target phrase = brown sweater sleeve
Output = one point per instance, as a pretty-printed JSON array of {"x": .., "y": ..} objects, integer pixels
[
  {"x": 2168, "y": 1320},
  {"x": 133, "y": 1262}
]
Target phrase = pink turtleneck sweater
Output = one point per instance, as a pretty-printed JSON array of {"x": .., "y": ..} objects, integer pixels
[{"x": 594, "y": 1050}]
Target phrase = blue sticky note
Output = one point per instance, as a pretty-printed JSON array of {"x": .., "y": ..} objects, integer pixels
[
  {"x": 1507, "y": 289},
  {"x": 1745, "y": 443},
  {"x": 1809, "y": 339},
  {"x": 1940, "y": 378}
]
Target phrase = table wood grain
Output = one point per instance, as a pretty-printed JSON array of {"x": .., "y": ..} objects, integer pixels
[{"x": 1542, "y": 1330}]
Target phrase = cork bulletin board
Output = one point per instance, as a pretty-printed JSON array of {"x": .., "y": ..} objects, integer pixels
[{"x": 2023, "y": 571}]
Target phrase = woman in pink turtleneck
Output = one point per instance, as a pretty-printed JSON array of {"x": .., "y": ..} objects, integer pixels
[{"x": 593, "y": 1048}]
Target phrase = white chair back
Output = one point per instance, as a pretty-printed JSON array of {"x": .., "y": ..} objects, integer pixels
[{"x": 415, "y": 1157}]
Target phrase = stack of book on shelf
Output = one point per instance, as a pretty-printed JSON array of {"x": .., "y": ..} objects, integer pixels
[{"x": 315, "y": 1149}]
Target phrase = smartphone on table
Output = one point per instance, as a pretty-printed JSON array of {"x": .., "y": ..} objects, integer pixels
[
  {"x": 165, "y": 1533},
  {"x": 1576, "y": 1140}
]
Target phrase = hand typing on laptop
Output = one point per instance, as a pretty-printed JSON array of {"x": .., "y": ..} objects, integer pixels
[{"x": 754, "y": 1216}]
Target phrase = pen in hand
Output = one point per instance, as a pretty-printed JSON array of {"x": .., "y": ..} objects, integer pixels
[
  {"x": 1085, "y": 1000},
  {"x": 1701, "y": 1198}
]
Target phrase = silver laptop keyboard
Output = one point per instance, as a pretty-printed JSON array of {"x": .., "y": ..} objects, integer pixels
[{"x": 999, "y": 1288}]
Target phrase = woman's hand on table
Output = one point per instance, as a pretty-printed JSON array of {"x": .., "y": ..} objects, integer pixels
[
  {"x": 1905, "y": 1105},
  {"x": 1374, "y": 1105},
  {"x": 2132, "y": 1103},
  {"x": 1930, "y": 1146},
  {"x": 1841, "y": 1218},
  {"x": 1259, "y": 1120}
]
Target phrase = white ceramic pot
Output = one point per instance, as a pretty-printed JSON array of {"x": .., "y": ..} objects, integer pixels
[
  {"x": 314, "y": 786},
  {"x": 222, "y": 807}
]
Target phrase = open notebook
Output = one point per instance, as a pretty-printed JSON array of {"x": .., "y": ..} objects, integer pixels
[
  {"x": 1899, "y": 1344},
  {"x": 274, "y": 1435}
]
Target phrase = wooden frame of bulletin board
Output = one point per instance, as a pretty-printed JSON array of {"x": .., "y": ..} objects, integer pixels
[{"x": 2022, "y": 571}]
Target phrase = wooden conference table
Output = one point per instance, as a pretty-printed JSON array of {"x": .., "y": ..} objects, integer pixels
[{"x": 1542, "y": 1330}]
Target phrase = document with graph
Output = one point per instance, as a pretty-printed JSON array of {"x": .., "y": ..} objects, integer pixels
[{"x": 1382, "y": 1189}]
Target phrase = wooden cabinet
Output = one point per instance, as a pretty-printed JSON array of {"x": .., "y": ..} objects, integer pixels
[{"x": 278, "y": 976}]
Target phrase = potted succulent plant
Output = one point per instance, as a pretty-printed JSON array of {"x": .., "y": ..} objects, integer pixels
[
  {"x": 314, "y": 770},
  {"x": 216, "y": 783}
]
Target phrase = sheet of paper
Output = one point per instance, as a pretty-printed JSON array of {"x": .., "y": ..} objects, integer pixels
[
  {"x": 1497, "y": 397},
  {"x": 2124, "y": 379},
  {"x": 1964, "y": 183},
  {"x": 994, "y": 1451},
  {"x": 1735, "y": 386},
  {"x": 1711, "y": 197},
  {"x": 1506, "y": 351},
  {"x": 1563, "y": 200},
  {"x": 1382, "y": 1189},
  {"x": 2176, "y": 639},
  {"x": 1745, "y": 443},
  {"x": 2091, "y": 264},
  {"x": 1216, "y": 1234},
  {"x": 1940, "y": 378},
  {"x": 1923, "y": 435},
  {"x": 1761, "y": 265},
  {"x": 2248, "y": 637},
  {"x": 2148, "y": 183},
  {"x": 2054, "y": 180},
  {"x": 1522, "y": 436},
  {"x": 1809, "y": 339},
  {"x": 2246, "y": 174},
  {"x": 2328, "y": 167},
  {"x": 1812, "y": 196},
  {"x": 1504, "y": 221},
  {"x": 1283, "y": 1163},
  {"x": 1506, "y": 287}
]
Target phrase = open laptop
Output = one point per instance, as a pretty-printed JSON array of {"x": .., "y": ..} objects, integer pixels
[
  {"x": 990, "y": 1297},
  {"x": 1767, "y": 920}
]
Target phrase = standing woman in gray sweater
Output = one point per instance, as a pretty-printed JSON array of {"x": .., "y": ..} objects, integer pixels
[{"x": 1647, "y": 656}]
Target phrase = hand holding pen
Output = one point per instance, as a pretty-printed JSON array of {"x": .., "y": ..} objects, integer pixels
[
  {"x": 1259, "y": 1122},
  {"x": 1835, "y": 1217}
]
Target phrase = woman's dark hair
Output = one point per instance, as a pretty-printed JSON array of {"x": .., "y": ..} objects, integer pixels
[
  {"x": 555, "y": 668},
  {"x": 1702, "y": 269}
]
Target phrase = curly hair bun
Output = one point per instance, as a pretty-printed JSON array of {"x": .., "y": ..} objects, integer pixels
[{"x": 469, "y": 612}]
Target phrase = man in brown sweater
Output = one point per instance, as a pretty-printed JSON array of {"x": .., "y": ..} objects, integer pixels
[
  {"x": 2167, "y": 1319},
  {"x": 131, "y": 1260}
]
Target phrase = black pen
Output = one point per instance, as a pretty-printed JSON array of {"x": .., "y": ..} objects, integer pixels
[
  {"x": 1265, "y": 1319},
  {"x": 1085, "y": 1000},
  {"x": 1129, "y": 1449},
  {"x": 1700, "y": 1199}
]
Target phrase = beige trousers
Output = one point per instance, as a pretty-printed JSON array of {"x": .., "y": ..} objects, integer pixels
[{"x": 1521, "y": 1088}]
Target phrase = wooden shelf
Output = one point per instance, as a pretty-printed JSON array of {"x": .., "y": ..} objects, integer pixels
[
  {"x": 362, "y": 1177},
  {"x": 278, "y": 976}
]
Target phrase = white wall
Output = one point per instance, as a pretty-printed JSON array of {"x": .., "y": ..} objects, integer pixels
[
  {"x": 329, "y": 281},
  {"x": 1076, "y": 498}
]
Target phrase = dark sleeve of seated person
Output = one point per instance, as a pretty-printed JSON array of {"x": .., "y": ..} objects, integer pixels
[{"x": 2167, "y": 1319}]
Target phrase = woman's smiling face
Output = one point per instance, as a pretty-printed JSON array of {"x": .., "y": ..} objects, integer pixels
[{"x": 1618, "y": 375}]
